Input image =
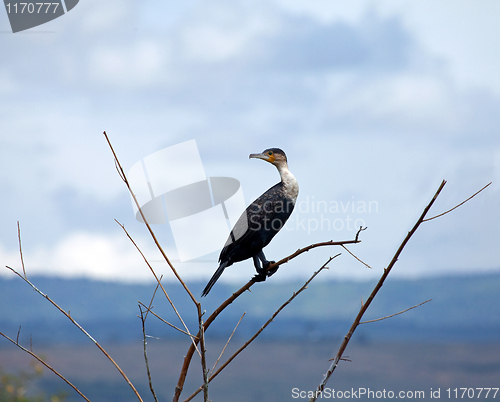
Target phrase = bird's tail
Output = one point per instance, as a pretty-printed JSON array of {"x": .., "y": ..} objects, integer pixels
[{"x": 214, "y": 279}]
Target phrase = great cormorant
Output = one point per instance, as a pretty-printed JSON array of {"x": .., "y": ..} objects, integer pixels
[{"x": 260, "y": 222}]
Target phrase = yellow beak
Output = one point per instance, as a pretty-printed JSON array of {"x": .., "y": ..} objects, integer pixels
[{"x": 266, "y": 157}]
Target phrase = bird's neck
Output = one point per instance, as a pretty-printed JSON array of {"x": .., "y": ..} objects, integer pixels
[{"x": 290, "y": 185}]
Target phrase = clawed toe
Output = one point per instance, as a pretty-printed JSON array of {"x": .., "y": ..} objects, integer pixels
[
  {"x": 263, "y": 273},
  {"x": 260, "y": 277},
  {"x": 272, "y": 271}
]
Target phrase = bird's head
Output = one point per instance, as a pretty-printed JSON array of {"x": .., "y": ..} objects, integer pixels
[{"x": 272, "y": 155}]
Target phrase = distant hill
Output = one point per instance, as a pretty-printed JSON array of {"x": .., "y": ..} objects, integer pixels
[{"x": 463, "y": 308}]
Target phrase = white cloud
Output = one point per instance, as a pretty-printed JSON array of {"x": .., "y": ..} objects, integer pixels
[
  {"x": 87, "y": 255},
  {"x": 101, "y": 17},
  {"x": 224, "y": 30},
  {"x": 7, "y": 85},
  {"x": 139, "y": 65},
  {"x": 411, "y": 100},
  {"x": 354, "y": 92}
]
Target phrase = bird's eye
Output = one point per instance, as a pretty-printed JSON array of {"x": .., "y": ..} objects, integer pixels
[{"x": 270, "y": 153}]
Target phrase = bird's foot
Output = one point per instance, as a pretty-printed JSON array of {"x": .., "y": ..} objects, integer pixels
[
  {"x": 272, "y": 271},
  {"x": 260, "y": 276},
  {"x": 263, "y": 273}
]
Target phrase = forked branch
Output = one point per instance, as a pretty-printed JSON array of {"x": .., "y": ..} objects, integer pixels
[
  {"x": 81, "y": 329},
  {"x": 381, "y": 281},
  {"x": 158, "y": 280},
  {"x": 234, "y": 296},
  {"x": 269, "y": 321},
  {"x": 456, "y": 206},
  {"x": 123, "y": 176},
  {"x": 395, "y": 314}
]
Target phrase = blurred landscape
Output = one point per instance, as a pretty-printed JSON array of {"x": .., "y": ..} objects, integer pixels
[
  {"x": 374, "y": 102},
  {"x": 450, "y": 342}
]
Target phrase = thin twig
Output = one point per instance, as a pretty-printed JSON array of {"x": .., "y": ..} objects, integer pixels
[
  {"x": 46, "y": 365},
  {"x": 204, "y": 368},
  {"x": 349, "y": 251},
  {"x": 365, "y": 306},
  {"x": 143, "y": 317},
  {"x": 227, "y": 343},
  {"x": 393, "y": 315},
  {"x": 270, "y": 320},
  {"x": 144, "y": 342},
  {"x": 152, "y": 298},
  {"x": 158, "y": 280},
  {"x": 21, "y": 248},
  {"x": 455, "y": 207},
  {"x": 81, "y": 329},
  {"x": 305, "y": 249},
  {"x": 165, "y": 321},
  {"x": 187, "y": 358},
  {"x": 160, "y": 248}
]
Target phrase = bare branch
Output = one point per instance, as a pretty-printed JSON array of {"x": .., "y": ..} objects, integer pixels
[
  {"x": 148, "y": 310},
  {"x": 295, "y": 294},
  {"x": 81, "y": 329},
  {"x": 45, "y": 364},
  {"x": 187, "y": 359},
  {"x": 143, "y": 317},
  {"x": 160, "y": 248},
  {"x": 158, "y": 280},
  {"x": 144, "y": 342},
  {"x": 456, "y": 206},
  {"x": 362, "y": 262},
  {"x": 227, "y": 343},
  {"x": 393, "y": 315},
  {"x": 152, "y": 298},
  {"x": 361, "y": 229},
  {"x": 305, "y": 249},
  {"x": 204, "y": 369},
  {"x": 365, "y": 306},
  {"x": 20, "y": 248}
]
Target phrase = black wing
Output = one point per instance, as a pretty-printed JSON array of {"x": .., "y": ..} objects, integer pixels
[{"x": 257, "y": 225}]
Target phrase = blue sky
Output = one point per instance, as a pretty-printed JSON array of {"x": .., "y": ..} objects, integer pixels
[{"x": 373, "y": 102}]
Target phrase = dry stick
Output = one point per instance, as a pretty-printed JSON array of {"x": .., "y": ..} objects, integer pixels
[
  {"x": 198, "y": 305},
  {"x": 158, "y": 280},
  {"x": 456, "y": 206},
  {"x": 165, "y": 321},
  {"x": 235, "y": 295},
  {"x": 365, "y": 306},
  {"x": 352, "y": 254},
  {"x": 326, "y": 243},
  {"x": 121, "y": 172},
  {"x": 295, "y": 294},
  {"x": 143, "y": 321},
  {"x": 227, "y": 343},
  {"x": 160, "y": 248},
  {"x": 204, "y": 369},
  {"x": 20, "y": 248},
  {"x": 46, "y": 365},
  {"x": 149, "y": 308},
  {"x": 395, "y": 314},
  {"x": 143, "y": 318},
  {"x": 81, "y": 329}
]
